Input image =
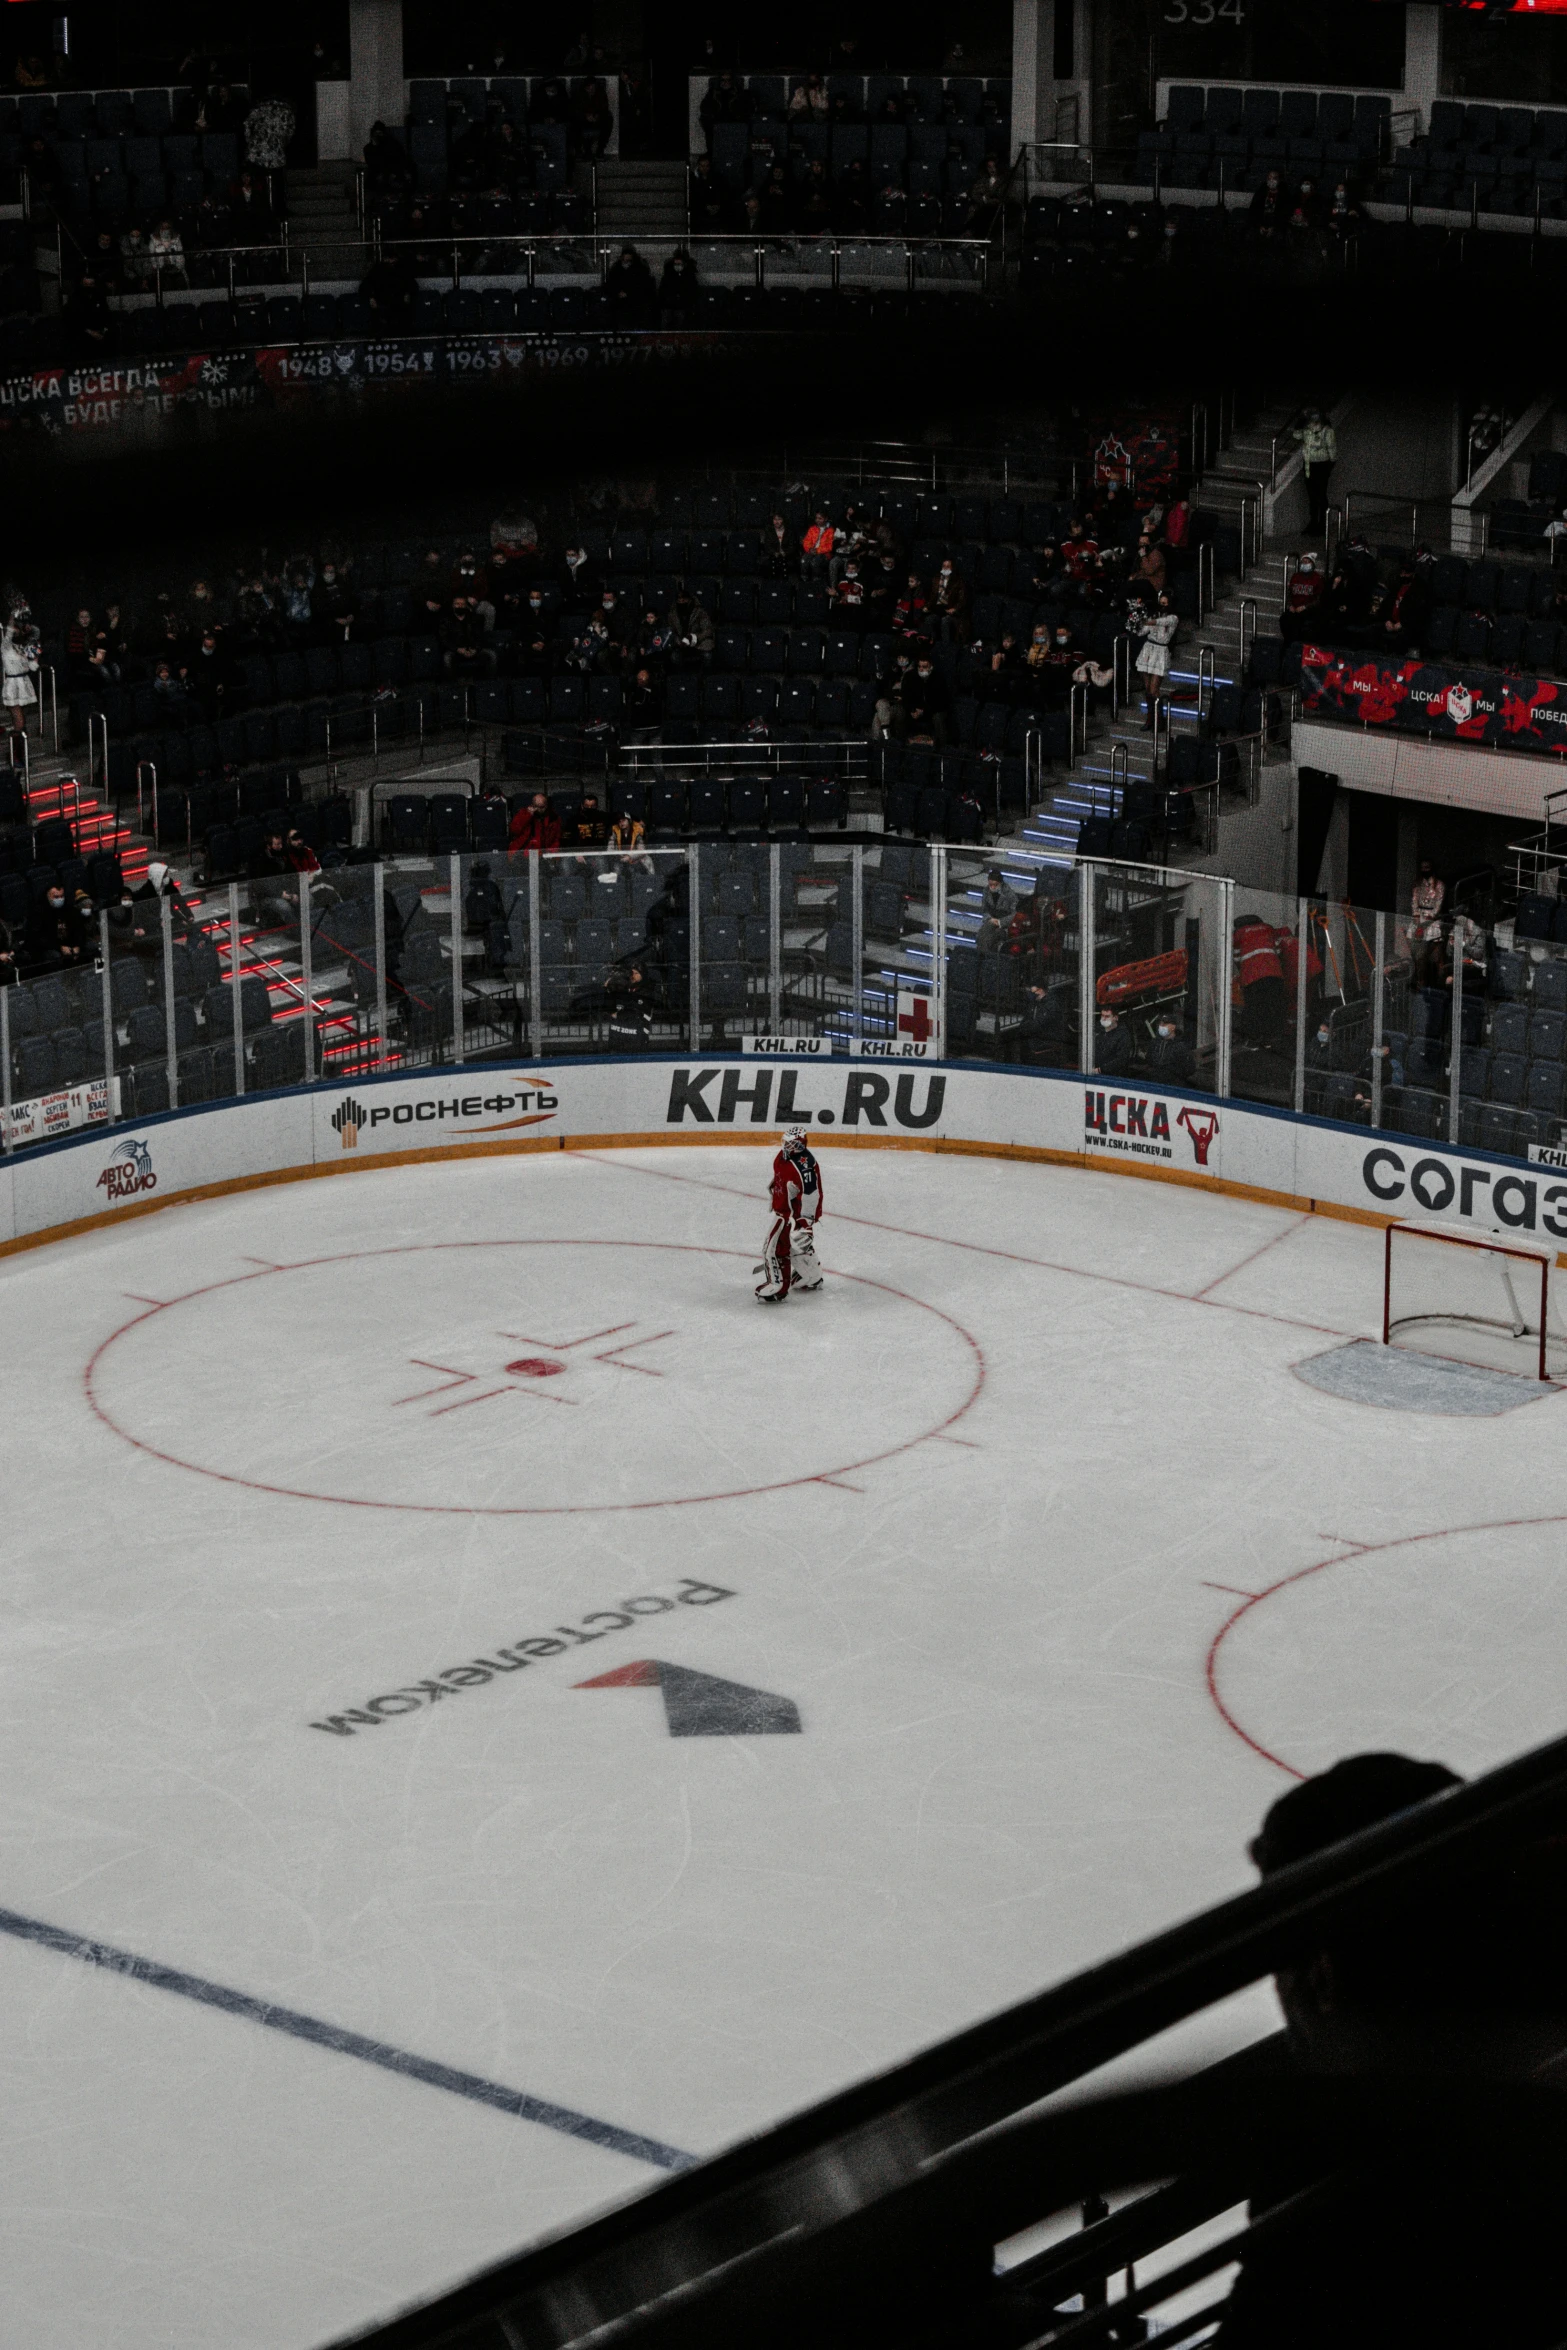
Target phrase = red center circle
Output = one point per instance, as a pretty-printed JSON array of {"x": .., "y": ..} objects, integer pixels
[{"x": 528, "y": 1366}]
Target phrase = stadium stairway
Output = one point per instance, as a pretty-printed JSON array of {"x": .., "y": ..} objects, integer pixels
[
  {"x": 640, "y": 199},
  {"x": 54, "y": 789},
  {"x": 321, "y": 214}
]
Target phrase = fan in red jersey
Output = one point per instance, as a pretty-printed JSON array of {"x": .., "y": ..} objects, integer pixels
[{"x": 789, "y": 1252}]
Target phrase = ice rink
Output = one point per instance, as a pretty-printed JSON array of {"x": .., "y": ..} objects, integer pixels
[{"x": 952, "y": 1627}]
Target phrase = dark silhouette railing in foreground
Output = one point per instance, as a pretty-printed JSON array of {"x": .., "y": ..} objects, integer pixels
[{"x": 876, "y": 2217}]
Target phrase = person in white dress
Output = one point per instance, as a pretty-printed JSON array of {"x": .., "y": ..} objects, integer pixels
[
  {"x": 18, "y": 666},
  {"x": 1153, "y": 657}
]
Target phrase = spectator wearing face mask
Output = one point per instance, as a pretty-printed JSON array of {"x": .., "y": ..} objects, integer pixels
[
  {"x": 926, "y": 702},
  {"x": 60, "y": 931},
  {"x": 949, "y": 601},
  {"x": 1171, "y": 1060},
  {"x": 1113, "y": 1044}
]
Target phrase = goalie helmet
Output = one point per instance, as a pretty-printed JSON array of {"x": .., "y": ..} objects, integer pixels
[{"x": 793, "y": 1141}]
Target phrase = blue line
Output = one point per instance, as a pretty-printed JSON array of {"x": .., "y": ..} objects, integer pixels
[{"x": 309, "y": 2027}]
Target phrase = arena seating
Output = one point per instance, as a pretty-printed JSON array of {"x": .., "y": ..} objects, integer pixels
[
  {"x": 785, "y": 670},
  {"x": 1245, "y": 134},
  {"x": 1502, "y": 159},
  {"x": 1501, "y": 615}
]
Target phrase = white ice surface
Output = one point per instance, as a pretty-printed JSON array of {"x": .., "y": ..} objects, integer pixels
[{"x": 1067, "y": 1446}]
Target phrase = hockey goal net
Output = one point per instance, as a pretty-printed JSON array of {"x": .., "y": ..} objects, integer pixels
[{"x": 1472, "y": 1298}]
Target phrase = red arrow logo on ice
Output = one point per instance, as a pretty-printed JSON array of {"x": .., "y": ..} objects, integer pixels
[{"x": 700, "y": 1705}]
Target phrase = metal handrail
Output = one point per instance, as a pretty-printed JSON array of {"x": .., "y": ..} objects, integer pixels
[{"x": 1247, "y": 604}]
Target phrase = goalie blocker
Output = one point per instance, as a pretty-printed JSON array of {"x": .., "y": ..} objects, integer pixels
[{"x": 1472, "y": 1297}]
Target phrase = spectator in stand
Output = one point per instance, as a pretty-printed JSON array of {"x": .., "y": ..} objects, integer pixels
[
  {"x": 1113, "y": 1046},
  {"x": 629, "y": 284},
  {"x": 1427, "y": 901},
  {"x": 1301, "y": 598},
  {"x": 390, "y": 285},
  {"x": 1150, "y": 567},
  {"x": 1319, "y": 455},
  {"x": 1153, "y": 656},
  {"x": 42, "y": 165},
  {"x": 587, "y": 831},
  {"x": 986, "y": 196},
  {"x": 1269, "y": 209},
  {"x": 679, "y": 291},
  {"x": 166, "y": 252},
  {"x": 997, "y": 905},
  {"x": 847, "y": 602},
  {"x": 18, "y": 667},
  {"x": 534, "y": 827},
  {"x": 1044, "y": 1039},
  {"x": 949, "y": 603},
  {"x": 79, "y": 643},
  {"x": 250, "y": 210},
  {"x": 60, "y": 933},
  {"x": 592, "y": 119},
  {"x": 1466, "y": 944},
  {"x": 209, "y": 677},
  {"x": 219, "y": 109},
  {"x": 88, "y": 320},
  {"x": 911, "y": 612},
  {"x": 808, "y": 100},
  {"x": 135, "y": 259},
  {"x": 726, "y": 100},
  {"x": 927, "y": 704},
  {"x": 780, "y": 555},
  {"x": 1392, "y": 1070},
  {"x": 711, "y": 205},
  {"x": 389, "y": 174},
  {"x": 816, "y": 547},
  {"x": 584, "y": 582},
  {"x": 1171, "y": 1060},
  {"x": 698, "y": 638}
]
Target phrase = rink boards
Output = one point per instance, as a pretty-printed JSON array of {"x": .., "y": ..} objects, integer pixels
[{"x": 1058, "y": 1117}]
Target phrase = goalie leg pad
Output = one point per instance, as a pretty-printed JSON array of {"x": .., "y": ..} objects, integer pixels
[
  {"x": 807, "y": 1272},
  {"x": 775, "y": 1266}
]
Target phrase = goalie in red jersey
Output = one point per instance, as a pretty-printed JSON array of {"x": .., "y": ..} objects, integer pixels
[{"x": 789, "y": 1251}]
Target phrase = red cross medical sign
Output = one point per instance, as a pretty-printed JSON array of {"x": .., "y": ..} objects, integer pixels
[{"x": 917, "y": 1033}]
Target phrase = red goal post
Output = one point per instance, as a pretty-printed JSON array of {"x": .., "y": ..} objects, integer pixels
[{"x": 1445, "y": 1288}]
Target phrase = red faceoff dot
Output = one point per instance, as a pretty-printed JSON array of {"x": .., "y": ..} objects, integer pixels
[{"x": 535, "y": 1367}]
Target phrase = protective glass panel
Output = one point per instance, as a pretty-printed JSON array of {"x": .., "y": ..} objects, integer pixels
[
  {"x": 1267, "y": 954},
  {"x": 734, "y": 940},
  {"x": 1158, "y": 972},
  {"x": 609, "y": 963},
  {"x": 1012, "y": 957}
]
